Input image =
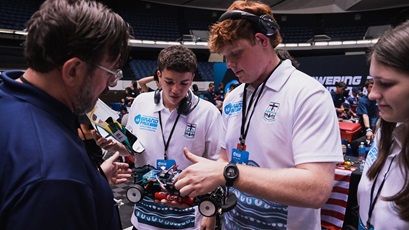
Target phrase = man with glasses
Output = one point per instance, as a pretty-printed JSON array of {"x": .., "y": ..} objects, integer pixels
[
  {"x": 116, "y": 75},
  {"x": 47, "y": 180}
]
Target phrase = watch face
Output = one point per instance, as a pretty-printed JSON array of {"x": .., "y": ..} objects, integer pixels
[{"x": 231, "y": 171}]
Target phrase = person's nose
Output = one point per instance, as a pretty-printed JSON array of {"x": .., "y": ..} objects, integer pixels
[
  {"x": 374, "y": 94},
  {"x": 176, "y": 89},
  {"x": 230, "y": 63}
]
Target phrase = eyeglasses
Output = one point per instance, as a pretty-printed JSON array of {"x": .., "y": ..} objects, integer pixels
[{"x": 117, "y": 73}]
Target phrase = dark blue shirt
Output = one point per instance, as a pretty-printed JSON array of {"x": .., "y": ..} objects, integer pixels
[
  {"x": 209, "y": 96},
  {"x": 369, "y": 107},
  {"x": 338, "y": 99},
  {"x": 47, "y": 180}
]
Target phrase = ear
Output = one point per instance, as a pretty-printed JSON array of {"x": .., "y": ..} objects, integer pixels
[
  {"x": 159, "y": 74},
  {"x": 262, "y": 39},
  {"x": 73, "y": 72}
]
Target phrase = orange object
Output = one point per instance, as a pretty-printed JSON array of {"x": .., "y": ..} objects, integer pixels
[{"x": 349, "y": 131}]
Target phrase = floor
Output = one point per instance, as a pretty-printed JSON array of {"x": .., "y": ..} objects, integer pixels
[{"x": 126, "y": 209}]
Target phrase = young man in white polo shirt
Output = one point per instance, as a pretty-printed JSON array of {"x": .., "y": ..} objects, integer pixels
[
  {"x": 280, "y": 133},
  {"x": 166, "y": 121}
]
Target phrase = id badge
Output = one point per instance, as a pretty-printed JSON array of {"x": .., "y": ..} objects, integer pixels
[
  {"x": 165, "y": 163},
  {"x": 361, "y": 226},
  {"x": 239, "y": 156}
]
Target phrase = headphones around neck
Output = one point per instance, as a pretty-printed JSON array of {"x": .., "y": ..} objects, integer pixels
[
  {"x": 264, "y": 23},
  {"x": 185, "y": 105}
]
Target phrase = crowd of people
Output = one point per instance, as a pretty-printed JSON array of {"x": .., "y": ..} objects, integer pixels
[
  {"x": 274, "y": 144},
  {"x": 357, "y": 107}
]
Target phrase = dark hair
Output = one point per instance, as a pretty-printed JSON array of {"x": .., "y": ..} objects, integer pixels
[
  {"x": 392, "y": 50},
  {"x": 368, "y": 82},
  {"x": 195, "y": 88},
  {"x": 177, "y": 58},
  {"x": 155, "y": 75},
  {"x": 340, "y": 84},
  {"x": 284, "y": 54},
  {"x": 63, "y": 29}
]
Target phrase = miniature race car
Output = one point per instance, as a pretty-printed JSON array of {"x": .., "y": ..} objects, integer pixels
[{"x": 158, "y": 184}]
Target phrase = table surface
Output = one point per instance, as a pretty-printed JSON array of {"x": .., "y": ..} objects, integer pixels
[{"x": 341, "y": 209}]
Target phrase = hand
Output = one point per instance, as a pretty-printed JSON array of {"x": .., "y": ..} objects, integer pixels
[
  {"x": 109, "y": 144},
  {"x": 201, "y": 177},
  {"x": 208, "y": 223},
  {"x": 116, "y": 172},
  {"x": 369, "y": 136}
]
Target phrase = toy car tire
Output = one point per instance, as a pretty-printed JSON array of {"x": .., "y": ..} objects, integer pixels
[
  {"x": 230, "y": 203},
  {"x": 135, "y": 193},
  {"x": 208, "y": 207}
]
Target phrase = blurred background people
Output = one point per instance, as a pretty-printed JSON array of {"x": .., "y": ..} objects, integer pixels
[
  {"x": 209, "y": 95},
  {"x": 143, "y": 83},
  {"x": 338, "y": 97}
]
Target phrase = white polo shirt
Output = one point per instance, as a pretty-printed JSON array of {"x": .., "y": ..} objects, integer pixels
[
  {"x": 294, "y": 123},
  {"x": 198, "y": 131},
  {"x": 385, "y": 213}
]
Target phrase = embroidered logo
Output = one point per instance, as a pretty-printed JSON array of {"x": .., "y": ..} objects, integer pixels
[
  {"x": 271, "y": 111},
  {"x": 190, "y": 131}
]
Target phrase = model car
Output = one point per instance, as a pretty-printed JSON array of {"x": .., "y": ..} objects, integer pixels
[{"x": 158, "y": 184}]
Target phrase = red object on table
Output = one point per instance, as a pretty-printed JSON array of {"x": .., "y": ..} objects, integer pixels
[
  {"x": 182, "y": 200},
  {"x": 349, "y": 131},
  {"x": 333, "y": 212}
]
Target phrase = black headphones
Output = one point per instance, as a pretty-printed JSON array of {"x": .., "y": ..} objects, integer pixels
[
  {"x": 156, "y": 96},
  {"x": 264, "y": 23},
  {"x": 185, "y": 105}
]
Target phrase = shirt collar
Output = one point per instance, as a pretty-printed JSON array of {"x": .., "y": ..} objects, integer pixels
[{"x": 36, "y": 97}]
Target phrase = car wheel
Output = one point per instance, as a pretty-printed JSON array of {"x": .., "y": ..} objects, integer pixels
[
  {"x": 135, "y": 193},
  {"x": 208, "y": 207}
]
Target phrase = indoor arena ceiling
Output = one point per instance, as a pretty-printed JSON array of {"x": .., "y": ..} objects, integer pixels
[{"x": 296, "y": 6}]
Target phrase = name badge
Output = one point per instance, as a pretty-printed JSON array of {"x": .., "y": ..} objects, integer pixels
[
  {"x": 165, "y": 163},
  {"x": 239, "y": 156}
]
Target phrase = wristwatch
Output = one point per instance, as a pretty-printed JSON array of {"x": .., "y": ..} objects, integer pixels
[{"x": 231, "y": 173}]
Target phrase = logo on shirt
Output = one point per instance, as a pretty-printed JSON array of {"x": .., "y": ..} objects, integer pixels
[
  {"x": 271, "y": 111},
  {"x": 190, "y": 131},
  {"x": 233, "y": 109},
  {"x": 146, "y": 122}
]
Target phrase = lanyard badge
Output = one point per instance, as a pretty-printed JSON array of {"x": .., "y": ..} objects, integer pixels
[
  {"x": 165, "y": 164},
  {"x": 239, "y": 155}
]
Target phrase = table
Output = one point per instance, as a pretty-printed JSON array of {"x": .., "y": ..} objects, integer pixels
[{"x": 341, "y": 209}]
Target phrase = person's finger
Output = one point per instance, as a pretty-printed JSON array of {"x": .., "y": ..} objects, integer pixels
[
  {"x": 190, "y": 156},
  {"x": 120, "y": 180},
  {"x": 95, "y": 134},
  {"x": 113, "y": 157},
  {"x": 122, "y": 166},
  {"x": 124, "y": 176}
]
